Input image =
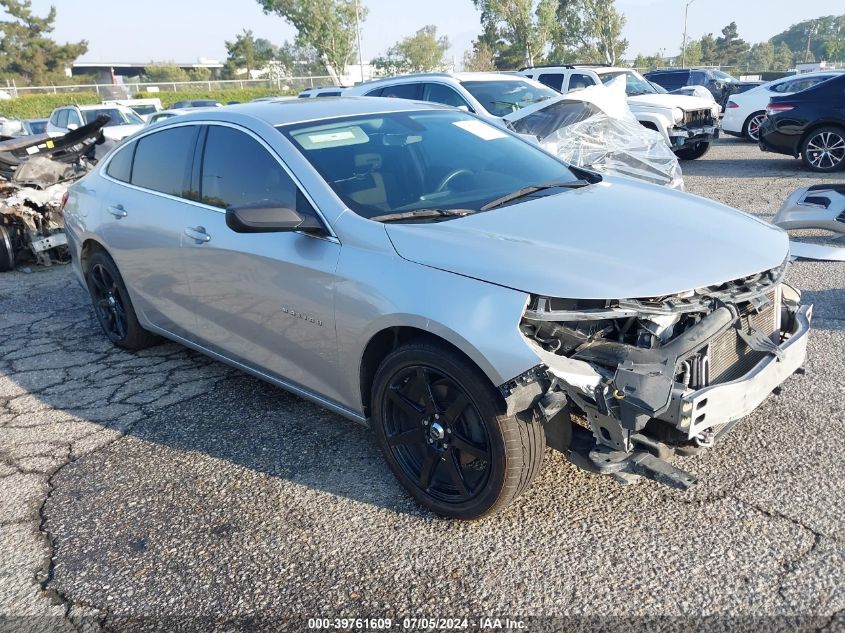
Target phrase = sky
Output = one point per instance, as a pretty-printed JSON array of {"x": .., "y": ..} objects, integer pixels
[{"x": 185, "y": 30}]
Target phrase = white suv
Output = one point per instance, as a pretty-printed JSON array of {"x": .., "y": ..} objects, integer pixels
[
  {"x": 688, "y": 124},
  {"x": 123, "y": 121},
  {"x": 492, "y": 96}
]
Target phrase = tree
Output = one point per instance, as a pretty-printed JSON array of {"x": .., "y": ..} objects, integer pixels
[
  {"x": 820, "y": 39},
  {"x": 249, "y": 53},
  {"x": 588, "y": 31},
  {"x": 27, "y": 50},
  {"x": 517, "y": 31},
  {"x": 783, "y": 57},
  {"x": 693, "y": 54},
  {"x": 709, "y": 54},
  {"x": 730, "y": 49},
  {"x": 421, "y": 52},
  {"x": 761, "y": 57},
  {"x": 299, "y": 61},
  {"x": 327, "y": 26},
  {"x": 165, "y": 73},
  {"x": 480, "y": 58}
]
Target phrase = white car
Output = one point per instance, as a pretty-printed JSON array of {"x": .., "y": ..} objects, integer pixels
[
  {"x": 745, "y": 111},
  {"x": 323, "y": 91},
  {"x": 167, "y": 114},
  {"x": 123, "y": 121},
  {"x": 144, "y": 108},
  {"x": 688, "y": 124}
]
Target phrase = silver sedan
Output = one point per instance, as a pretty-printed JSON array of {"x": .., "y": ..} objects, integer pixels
[{"x": 470, "y": 297}]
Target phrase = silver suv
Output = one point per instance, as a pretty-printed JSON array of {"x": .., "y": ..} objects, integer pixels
[{"x": 467, "y": 295}]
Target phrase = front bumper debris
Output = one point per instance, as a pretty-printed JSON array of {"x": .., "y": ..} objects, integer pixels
[
  {"x": 679, "y": 136},
  {"x": 633, "y": 399}
]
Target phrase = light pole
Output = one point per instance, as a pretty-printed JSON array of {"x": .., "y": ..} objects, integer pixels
[
  {"x": 358, "y": 33},
  {"x": 686, "y": 15}
]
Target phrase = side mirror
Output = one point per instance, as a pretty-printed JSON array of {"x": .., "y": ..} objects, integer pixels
[
  {"x": 72, "y": 126},
  {"x": 268, "y": 217}
]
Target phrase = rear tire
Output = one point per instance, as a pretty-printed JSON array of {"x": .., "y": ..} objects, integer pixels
[
  {"x": 694, "y": 151},
  {"x": 443, "y": 431},
  {"x": 823, "y": 151},
  {"x": 113, "y": 306},
  {"x": 7, "y": 250},
  {"x": 751, "y": 129}
]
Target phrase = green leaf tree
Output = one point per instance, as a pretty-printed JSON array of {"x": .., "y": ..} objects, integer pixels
[
  {"x": 588, "y": 31},
  {"x": 26, "y": 50},
  {"x": 761, "y": 57},
  {"x": 517, "y": 31},
  {"x": 480, "y": 58},
  {"x": 247, "y": 52},
  {"x": 814, "y": 40},
  {"x": 730, "y": 49},
  {"x": 693, "y": 55},
  {"x": 784, "y": 59},
  {"x": 327, "y": 26},
  {"x": 165, "y": 73},
  {"x": 420, "y": 52},
  {"x": 709, "y": 54}
]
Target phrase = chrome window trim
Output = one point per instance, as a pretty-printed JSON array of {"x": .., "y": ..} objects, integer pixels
[{"x": 332, "y": 236}]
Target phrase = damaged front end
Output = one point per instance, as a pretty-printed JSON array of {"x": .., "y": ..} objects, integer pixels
[{"x": 651, "y": 377}]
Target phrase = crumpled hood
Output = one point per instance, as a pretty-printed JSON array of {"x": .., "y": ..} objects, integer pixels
[
  {"x": 685, "y": 102},
  {"x": 619, "y": 239}
]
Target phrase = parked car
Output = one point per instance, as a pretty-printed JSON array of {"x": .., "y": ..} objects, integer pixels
[
  {"x": 167, "y": 114},
  {"x": 744, "y": 112},
  {"x": 123, "y": 121},
  {"x": 720, "y": 84},
  {"x": 274, "y": 98},
  {"x": 35, "y": 126},
  {"x": 688, "y": 124},
  {"x": 810, "y": 124},
  {"x": 323, "y": 91},
  {"x": 444, "y": 281},
  {"x": 196, "y": 103},
  {"x": 144, "y": 108}
]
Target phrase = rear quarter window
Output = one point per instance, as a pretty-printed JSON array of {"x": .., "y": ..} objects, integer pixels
[
  {"x": 552, "y": 80},
  {"x": 402, "y": 91},
  {"x": 120, "y": 166},
  {"x": 163, "y": 161}
]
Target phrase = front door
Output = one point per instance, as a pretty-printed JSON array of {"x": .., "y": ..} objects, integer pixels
[{"x": 263, "y": 299}]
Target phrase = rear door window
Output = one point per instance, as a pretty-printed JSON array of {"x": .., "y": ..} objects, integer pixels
[
  {"x": 163, "y": 161},
  {"x": 579, "y": 81},
  {"x": 438, "y": 93},
  {"x": 403, "y": 91},
  {"x": 237, "y": 170},
  {"x": 552, "y": 80}
]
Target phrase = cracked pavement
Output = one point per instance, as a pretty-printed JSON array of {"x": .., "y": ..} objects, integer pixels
[{"x": 165, "y": 491}]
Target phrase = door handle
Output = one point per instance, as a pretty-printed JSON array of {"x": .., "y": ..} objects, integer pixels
[
  {"x": 118, "y": 211},
  {"x": 198, "y": 234}
]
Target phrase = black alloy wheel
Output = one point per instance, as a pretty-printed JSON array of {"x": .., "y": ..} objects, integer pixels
[{"x": 443, "y": 430}]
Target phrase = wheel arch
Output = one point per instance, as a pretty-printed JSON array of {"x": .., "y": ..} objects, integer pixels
[
  {"x": 747, "y": 121},
  {"x": 88, "y": 248},
  {"x": 392, "y": 337},
  {"x": 817, "y": 125}
]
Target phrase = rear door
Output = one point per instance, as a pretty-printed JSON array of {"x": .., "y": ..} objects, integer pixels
[
  {"x": 143, "y": 216},
  {"x": 263, "y": 299}
]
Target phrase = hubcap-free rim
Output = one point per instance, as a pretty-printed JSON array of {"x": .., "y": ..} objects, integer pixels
[
  {"x": 436, "y": 434},
  {"x": 107, "y": 302},
  {"x": 826, "y": 150},
  {"x": 754, "y": 127}
]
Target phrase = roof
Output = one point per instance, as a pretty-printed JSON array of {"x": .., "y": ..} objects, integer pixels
[
  {"x": 461, "y": 77},
  {"x": 290, "y": 111}
]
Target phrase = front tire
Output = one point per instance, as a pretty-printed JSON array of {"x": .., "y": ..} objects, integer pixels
[
  {"x": 443, "y": 430},
  {"x": 751, "y": 129},
  {"x": 823, "y": 151},
  {"x": 113, "y": 306},
  {"x": 694, "y": 151}
]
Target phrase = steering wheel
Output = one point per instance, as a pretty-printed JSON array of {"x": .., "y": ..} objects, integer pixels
[{"x": 450, "y": 177}]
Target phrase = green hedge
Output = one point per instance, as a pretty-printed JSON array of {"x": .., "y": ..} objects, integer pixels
[
  {"x": 223, "y": 96},
  {"x": 40, "y": 106}
]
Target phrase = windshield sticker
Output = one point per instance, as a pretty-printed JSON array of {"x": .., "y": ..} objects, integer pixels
[
  {"x": 336, "y": 137},
  {"x": 480, "y": 129}
]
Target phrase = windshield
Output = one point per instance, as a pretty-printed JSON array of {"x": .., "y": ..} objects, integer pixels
[
  {"x": 500, "y": 98},
  {"x": 115, "y": 115},
  {"x": 635, "y": 83},
  {"x": 432, "y": 159},
  {"x": 722, "y": 76}
]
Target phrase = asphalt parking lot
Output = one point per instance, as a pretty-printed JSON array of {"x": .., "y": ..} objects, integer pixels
[{"x": 165, "y": 491}]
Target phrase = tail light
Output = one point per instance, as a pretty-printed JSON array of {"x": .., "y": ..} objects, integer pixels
[
  {"x": 777, "y": 108},
  {"x": 731, "y": 104},
  {"x": 64, "y": 200}
]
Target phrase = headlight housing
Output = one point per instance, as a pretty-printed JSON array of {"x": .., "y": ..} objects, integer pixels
[{"x": 679, "y": 115}]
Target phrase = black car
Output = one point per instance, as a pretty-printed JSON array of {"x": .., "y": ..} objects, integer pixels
[
  {"x": 810, "y": 123},
  {"x": 721, "y": 85}
]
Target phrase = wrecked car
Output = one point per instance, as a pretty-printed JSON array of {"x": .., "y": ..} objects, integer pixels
[
  {"x": 469, "y": 296},
  {"x": 38, "y": 170}
]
